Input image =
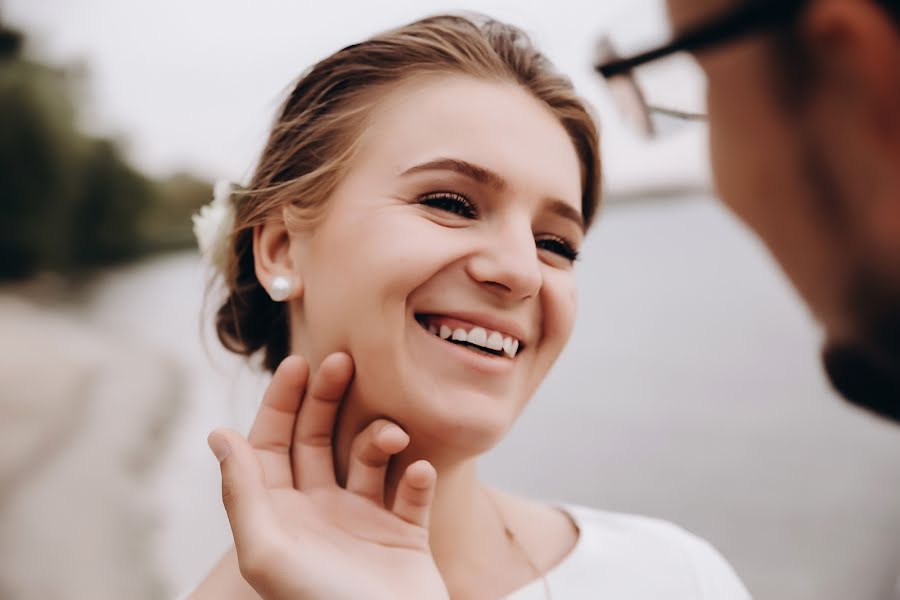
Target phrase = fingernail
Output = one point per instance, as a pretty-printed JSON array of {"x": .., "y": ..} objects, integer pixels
[{"x": 218, "y": 445}]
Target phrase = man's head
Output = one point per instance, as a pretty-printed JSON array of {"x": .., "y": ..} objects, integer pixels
[{"x": 805, "y": 144}]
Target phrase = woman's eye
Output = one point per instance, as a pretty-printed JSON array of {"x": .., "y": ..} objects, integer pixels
[
  {"x": 559, "y": 246},
  {"x": 450, "y": 202}
]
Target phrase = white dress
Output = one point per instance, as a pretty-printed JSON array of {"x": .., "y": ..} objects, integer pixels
[{"x": 627, "y": 557}]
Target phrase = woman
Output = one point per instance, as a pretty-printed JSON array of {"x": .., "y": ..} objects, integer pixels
[{"x": 419, "y": 207}]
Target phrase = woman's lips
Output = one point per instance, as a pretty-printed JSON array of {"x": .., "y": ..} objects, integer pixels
[{"x": 476, "y": 359}]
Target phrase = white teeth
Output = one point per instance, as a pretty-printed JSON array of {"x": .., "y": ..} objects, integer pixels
[
  {"x": 477, "y": 336},
  {"x": 494, "y": 341},
  {"x": 510, "y": 347}
]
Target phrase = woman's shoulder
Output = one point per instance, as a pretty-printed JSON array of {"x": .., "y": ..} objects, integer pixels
[
  {"x": 653, "y": 549},
  {"x": 629, "y": 526}
]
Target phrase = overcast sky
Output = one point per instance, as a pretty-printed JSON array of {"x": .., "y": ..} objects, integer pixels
[{"x": 194, "y": 84}]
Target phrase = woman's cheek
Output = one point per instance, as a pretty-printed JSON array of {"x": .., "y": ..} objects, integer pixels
[{"x": 560, "y": 306}]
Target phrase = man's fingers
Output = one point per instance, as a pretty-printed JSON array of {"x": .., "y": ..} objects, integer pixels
[
  {"x": 244, "y": 491},
  {"x": 312, "y": 458},
  {"x": 369, "y": 456},
  {"x": 273, "y": 429},
  {"x": 416, "y": 493}
]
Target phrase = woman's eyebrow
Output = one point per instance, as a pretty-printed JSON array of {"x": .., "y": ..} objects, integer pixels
[
  {"x": 470, "y": 170},
  {"x": 489, "y": 178},
  {"x": 566, "y": 211}
]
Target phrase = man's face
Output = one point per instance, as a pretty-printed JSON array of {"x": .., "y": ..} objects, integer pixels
[{"x": 801, "y": 162}]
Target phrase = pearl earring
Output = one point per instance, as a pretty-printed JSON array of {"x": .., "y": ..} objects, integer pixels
[{"x": 280, "y": 288}]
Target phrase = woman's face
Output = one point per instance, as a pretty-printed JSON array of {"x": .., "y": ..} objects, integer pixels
[{"x": 460, "y": 214}]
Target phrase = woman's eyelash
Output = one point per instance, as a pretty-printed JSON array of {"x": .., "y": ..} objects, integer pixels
[
  {"x": 460, "y": 205},
  {"x": 450, "y": 202},
  {"x": 559, "y": 246}
]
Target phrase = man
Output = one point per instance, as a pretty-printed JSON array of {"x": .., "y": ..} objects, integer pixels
[{"x": 804, "y": 120}]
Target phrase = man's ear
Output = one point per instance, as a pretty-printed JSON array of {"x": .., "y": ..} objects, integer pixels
[
  {"x": 859, "y": 43},
  {"x": 858, "y": 46},
  {"x": 274, "y": 264}
]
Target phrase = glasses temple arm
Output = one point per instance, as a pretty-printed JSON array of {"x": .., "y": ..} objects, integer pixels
[{"x": 747, "y": 19}]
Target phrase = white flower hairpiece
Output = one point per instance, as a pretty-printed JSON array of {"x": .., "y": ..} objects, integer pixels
[{"x": 214, "y": 224}]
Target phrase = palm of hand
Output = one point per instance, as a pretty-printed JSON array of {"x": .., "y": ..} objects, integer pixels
[
  {"x": 349, "y": 544},
  {"x": 299, "y": 534}
]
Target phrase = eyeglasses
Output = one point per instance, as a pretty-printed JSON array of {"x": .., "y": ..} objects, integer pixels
[{"x": 749, "y": 18}]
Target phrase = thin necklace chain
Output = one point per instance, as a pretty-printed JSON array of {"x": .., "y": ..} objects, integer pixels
[{"x": 514, "y": 541}]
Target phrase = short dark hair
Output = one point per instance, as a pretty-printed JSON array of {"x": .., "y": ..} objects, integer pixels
[
  {"x": 893, "y": 9},
  {"x": 796, "y": 71}
]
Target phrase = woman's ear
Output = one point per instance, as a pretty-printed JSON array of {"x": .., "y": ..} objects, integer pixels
[{"x": 275, "y": 266}]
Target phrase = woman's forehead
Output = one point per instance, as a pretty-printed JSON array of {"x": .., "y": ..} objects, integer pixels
[{"x": 497, "y": 125}]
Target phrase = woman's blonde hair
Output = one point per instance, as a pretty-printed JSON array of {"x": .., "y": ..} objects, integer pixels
[{"x": 313, "y": 141}]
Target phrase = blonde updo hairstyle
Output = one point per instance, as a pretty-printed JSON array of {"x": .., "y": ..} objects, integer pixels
[{"x": 312, "y": 143}]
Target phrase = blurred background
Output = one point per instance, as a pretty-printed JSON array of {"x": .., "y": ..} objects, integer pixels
[{"x": 691, "y": 390}]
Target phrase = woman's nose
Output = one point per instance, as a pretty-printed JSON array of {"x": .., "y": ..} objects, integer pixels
[{"x": 508, "y": 262}]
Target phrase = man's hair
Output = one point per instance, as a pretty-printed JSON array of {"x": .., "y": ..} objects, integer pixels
[
  {"x": 892, "y": 7},
  {"x": 795, "y": 69}
]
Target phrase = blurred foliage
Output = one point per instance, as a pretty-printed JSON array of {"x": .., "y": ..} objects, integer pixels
[{"x": 69, "y": 202}]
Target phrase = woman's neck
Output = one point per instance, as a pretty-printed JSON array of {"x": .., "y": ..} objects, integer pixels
[{"x": 466, "y": 534}]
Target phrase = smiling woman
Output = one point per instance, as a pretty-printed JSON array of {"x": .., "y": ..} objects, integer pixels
[{"x": 417, "y": 213}]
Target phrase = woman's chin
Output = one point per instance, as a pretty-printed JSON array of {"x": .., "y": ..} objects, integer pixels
[
  {"x": 462, "y": 426},
  {"x": 442, "y": 413}
]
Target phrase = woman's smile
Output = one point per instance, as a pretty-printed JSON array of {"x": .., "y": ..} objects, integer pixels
[
  {"x": 459, "y": 357},
  {"x": 466, "y": 346},
  {"x": 481, "y": 334}
]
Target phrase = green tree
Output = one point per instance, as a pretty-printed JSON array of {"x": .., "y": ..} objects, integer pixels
[{"x": 70, "y": 203}]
